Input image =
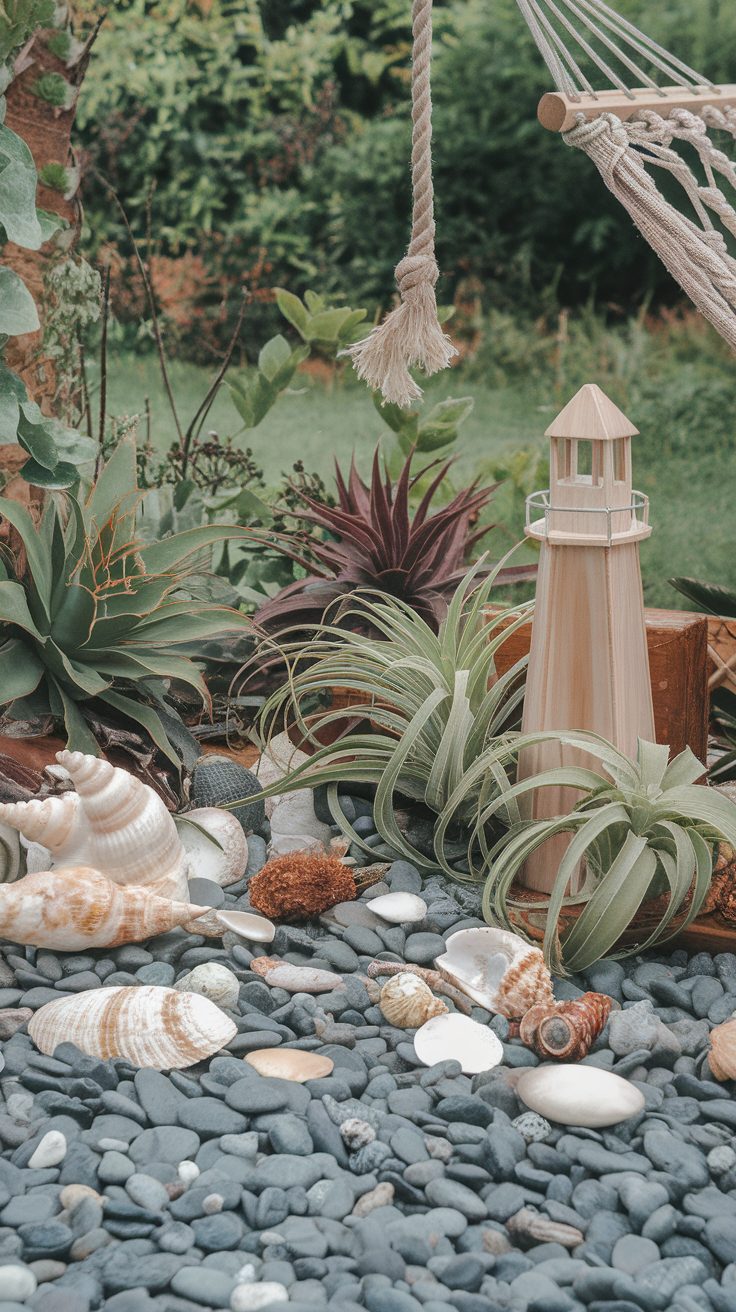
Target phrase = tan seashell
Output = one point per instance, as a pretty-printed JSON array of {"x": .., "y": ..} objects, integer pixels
[
  {"x": 499, "y": 970},
  {"x": 566, "y": 1031},
  {"x": 77, "y": 907},
  {"x": 290, "y": 1064},
  {"x": 295, "y": 979},
  {"x": 722, "y": 1055},
  {"x": 406, "y": 1001},
  {"x": 113, "y": 822},
  {"x": 148, "y": 1025},
  {"x": 539, "y": 1229}
]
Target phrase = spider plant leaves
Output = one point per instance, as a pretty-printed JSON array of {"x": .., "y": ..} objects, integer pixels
[{"x": 710, "y": 597}]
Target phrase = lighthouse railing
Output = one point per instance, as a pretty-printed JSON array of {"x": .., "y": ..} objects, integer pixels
[{"x": 546, "y": 520}]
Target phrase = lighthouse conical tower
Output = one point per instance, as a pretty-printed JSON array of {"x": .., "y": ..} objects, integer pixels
[{"x": 588, "y": 666}]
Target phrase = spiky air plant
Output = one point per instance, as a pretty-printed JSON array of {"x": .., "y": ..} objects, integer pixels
[
  {"x": 646, "y": 832},
  {"x": 440, "y": 715},
  {"x": 89, "y": 616},
  {"x": 374, "y": 543}
]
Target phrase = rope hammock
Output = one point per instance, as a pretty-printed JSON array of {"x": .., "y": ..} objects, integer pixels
[{"x": 630, "y": 128}]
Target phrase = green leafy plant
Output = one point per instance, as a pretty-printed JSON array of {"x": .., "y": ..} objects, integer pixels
[
  {"x": 89, "y": 615},
  {"x": 52, "y": 88},
  {"x": 55, "y": 176},
  {"x": 18, "y": 19},
  {"x": 439, "y": 716},
  {"x": 375, "y": 543},
  {"x": 327, "y": 327},
  {"x": 645, "y": 829}
]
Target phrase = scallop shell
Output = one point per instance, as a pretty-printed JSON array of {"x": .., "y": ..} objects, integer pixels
[
  {"x": 566, "y": 1031},
  {"x": 215, "y": 844},
  {"x": 399, "y": 908},
  {"x": 148, "y": 1025},
  {"x": 722, "y": 1055},
  {"x": 539, "y": 1229},
  {"x": 498, "y": 970},
  {"x": 295, "y": 979},
  {"x": 458, "y": 1038},
  {"x": 290, "y": 1064},
  {"x": 247, "y": 925},
  {"x": 113, "y": 822},
  {"x": 407, "y": 1002},
  {"x": 78, "y": 907}
]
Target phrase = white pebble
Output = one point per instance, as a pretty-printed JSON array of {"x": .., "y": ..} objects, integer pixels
[
  {"x": 248, "y": 1298},
  {"x": 246, "y": 1275},
  {"x": 721, "y": 1159},
  {"x": 49, "y": 1152},
  {"x": 213, "y": 1203},
  {"x": 188, "y": 1172},
  {"x": 214, "y": 981},
  {"x": 17, "y": 1283}
]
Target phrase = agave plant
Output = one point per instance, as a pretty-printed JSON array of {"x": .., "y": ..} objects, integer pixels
[
  {"x": 435, "y": 705},
  {"x": 373, "y": 543},
  {"x": 645, "y": 830},
  {"x": 89, "y": 615}
]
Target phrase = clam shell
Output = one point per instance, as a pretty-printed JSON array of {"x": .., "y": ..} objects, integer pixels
[
  {"x": 458, "y": 1038},
  {"x": 579, "y": 1095},
  {"x": 113, "y": 822},
  {"x": 407, "y": 1002},
  {"x": 497, "y": 969},
  {"x": 722, "y": 1055},
  {"x": 290, "y": 1064},
  {"x": 295, "y": 979},
  {"x": 255, "y": 928},
  {"x": 399, "y": 908},
  {"x": 148, "y": 1025},
  {"x": 77, "y": 907},
  {"x": 222, "y": 860}
]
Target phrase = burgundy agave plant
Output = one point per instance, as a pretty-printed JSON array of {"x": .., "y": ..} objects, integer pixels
[{"x": 375, "y": 543}]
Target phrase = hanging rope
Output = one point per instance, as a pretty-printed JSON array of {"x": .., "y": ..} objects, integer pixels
[{"x": 411, "y": 334}]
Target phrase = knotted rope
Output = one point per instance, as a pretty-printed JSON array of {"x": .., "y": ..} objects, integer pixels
[{"x": 411, "y": 334}]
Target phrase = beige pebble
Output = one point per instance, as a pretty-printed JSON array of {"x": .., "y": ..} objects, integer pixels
[{"x": 290, "y": 1064}]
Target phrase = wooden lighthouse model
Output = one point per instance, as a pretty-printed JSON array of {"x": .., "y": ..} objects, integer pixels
[{"x": 588, "y": 665}]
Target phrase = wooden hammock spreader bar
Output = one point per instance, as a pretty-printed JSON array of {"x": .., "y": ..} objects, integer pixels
[{"x": 559, "y": 112}]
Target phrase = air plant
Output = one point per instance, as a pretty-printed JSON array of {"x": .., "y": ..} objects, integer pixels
[
  {"x": 645, "y": 830},
  {"x": 90, "y": 617},
  {"x": 438, "y": 712},
  {"x": 373, "y": 543}
]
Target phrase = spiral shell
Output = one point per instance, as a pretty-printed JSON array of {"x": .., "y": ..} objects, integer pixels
[
  {"x": 78, "y": 907},
  {"x": 112, "y": 822},
  {"x": 498, "y": 970},
  {"x": 566, "y": 1031},
  {"x": 406, "y": 1001},
  {"x": 148, "y": 1025},
  {"x": 722, "y": 1055}
]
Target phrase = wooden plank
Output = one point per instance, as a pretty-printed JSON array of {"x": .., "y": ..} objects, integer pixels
[
  {"x": 558, "y": 112},
  {"x": 677, "y": 643}
]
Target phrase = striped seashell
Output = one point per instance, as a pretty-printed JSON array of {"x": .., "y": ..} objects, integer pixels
[
  {"x": 406, "y": 1001},
  {"x": 566, "y": 1031},
  {"x": 112, "y": 822},
  {"x": 149, "y": 1026},
  {"x": 78, "y": 907},
  {"x": 498, "y": 970}
]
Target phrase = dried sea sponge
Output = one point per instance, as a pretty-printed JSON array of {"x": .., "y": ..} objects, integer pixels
[{"x": 299, "y": 885}]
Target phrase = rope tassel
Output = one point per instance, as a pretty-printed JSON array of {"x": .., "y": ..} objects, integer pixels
[{"x": 411, "y": 334}]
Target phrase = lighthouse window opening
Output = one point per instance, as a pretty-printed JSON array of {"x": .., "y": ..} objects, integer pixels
[
  {"x": 619, "y": 461},
  {"x": 589, "y": 463}
]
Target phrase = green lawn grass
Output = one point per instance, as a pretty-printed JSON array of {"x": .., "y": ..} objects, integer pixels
[{"x": 691, "y": 490}]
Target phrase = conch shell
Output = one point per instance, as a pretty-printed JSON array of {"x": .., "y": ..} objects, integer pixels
[
  {"x": 406, "y": 1001},
  {"x": 498, "y": 970},
  {"x": 566, "y": 1031},
  {"x": 148, "y": 1025},
  {"x": 78, "y": 907},
  {"x": 113, "y": 822},
  {"x": 722, "y": 1055}
]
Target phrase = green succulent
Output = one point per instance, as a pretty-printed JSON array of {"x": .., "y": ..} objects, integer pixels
[
  {"x": 91, "y": 616},
  {"x": 434, "y": 704},
  {"x": 643, "y": 828}
]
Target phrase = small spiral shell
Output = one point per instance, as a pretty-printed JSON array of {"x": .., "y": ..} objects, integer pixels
[
  {"x": 566, "y": 1031},
  {"x": 407, "y": 1002}
]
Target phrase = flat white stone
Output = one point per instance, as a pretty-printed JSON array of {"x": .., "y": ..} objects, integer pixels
[
  {"x": 579, "y": 1095},
  {"x": 399, "y": 908},
  {"x": 458, "y": 1038},
  {"x": 248, "y": 925},
  {"x": 250, "y": 1298},
  {"x": 49, "y": 1152}
]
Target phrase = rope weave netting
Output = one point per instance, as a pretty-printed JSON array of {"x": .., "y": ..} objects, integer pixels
[{"x": 628, "y": 153}]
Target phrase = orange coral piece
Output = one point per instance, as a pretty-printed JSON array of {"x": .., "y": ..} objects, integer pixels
[{"x": 300, "y": 885}]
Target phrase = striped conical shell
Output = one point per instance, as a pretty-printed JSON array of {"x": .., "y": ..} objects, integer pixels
[
  {"x": 148, "y": 1025},
  {"x": 113, "y": 822},
  {"x": 77, "y": 907}
]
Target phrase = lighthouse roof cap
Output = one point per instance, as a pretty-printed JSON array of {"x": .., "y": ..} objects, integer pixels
[{"x": 593, "y": 416}]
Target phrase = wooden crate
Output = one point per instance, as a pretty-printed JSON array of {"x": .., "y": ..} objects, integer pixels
[{"x": 677, "y": 642}]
